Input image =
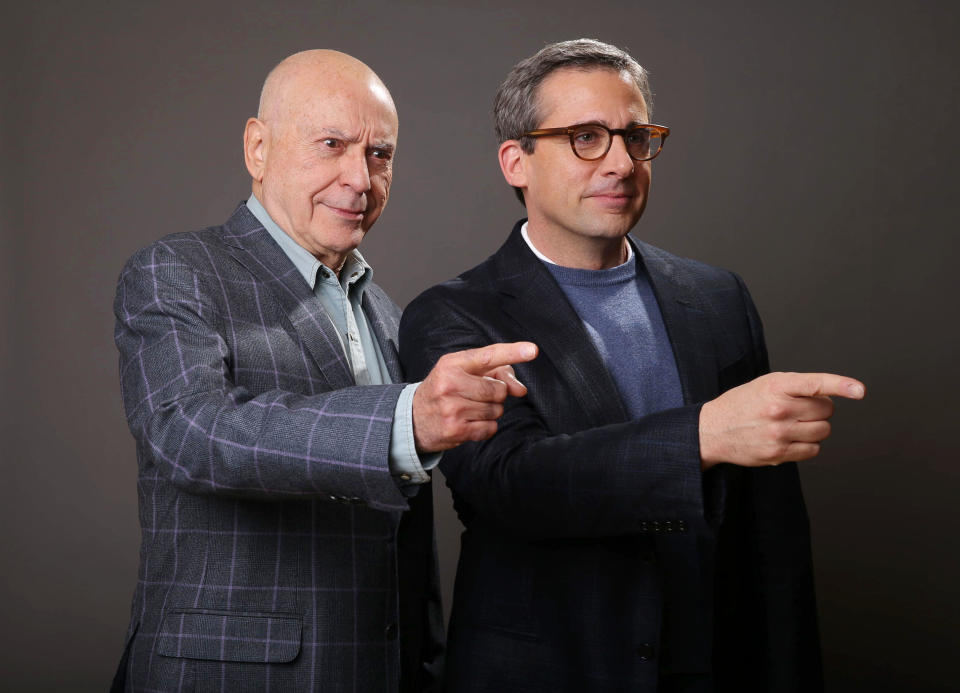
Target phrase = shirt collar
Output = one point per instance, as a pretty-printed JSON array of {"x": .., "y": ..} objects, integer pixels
[{"x": 355, "y": 269}]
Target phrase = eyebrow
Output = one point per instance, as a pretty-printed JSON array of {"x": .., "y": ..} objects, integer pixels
[
  {"x": 324, "y": 132},
  {"x": 601, "y": 121}
]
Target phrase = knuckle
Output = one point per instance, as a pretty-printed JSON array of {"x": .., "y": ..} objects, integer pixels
[
  {"x": 484, "y": 431},
  {"x": 781, "y": 432},
  {"x": 774, "y": 452},
  {"x": 447, "y": 386},
  {"x": 776, "y": 410},
  {"x": 826, "y": 430},
  {"x": 448, "y": 409},
  {"x": 774, "y": 380},
  {"x": 454, "y": 431}
]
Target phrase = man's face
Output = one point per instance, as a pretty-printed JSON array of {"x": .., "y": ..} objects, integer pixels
[
  {"x": 566, "y": 196},
  {"x": 328, "y": 165}
]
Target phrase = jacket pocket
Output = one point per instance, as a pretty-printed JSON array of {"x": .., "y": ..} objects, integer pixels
[{"x": 230, "y": 636}]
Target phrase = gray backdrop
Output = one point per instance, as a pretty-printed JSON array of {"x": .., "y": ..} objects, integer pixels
[{"x": 813, "y": 151}]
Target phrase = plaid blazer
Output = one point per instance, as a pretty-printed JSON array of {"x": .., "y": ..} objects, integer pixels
[
  {"x": 277, "y": 551},
  {"x": 596, "y": 556}
]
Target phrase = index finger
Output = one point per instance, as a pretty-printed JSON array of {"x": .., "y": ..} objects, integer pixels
[
  {"x": 828, "y": 384},
  {"x": 479, "y": 361}
]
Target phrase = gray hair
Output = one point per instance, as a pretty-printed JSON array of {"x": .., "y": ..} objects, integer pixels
[{"x": 516, "y": 107}]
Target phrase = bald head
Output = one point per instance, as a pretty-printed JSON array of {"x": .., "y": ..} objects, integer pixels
[
  {"x": 320, "y": 151},
  {"x": 319, "y": 71}
]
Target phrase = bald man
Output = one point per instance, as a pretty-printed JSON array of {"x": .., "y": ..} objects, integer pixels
[{"x": 287, "y": 540}]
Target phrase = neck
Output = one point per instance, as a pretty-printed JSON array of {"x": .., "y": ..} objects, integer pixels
[
  {"x": 579, "y": 252},
  {"x": 329, "y": 258}
]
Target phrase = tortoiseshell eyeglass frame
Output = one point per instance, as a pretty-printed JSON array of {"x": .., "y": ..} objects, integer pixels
[{"x": 661, "y": 130}]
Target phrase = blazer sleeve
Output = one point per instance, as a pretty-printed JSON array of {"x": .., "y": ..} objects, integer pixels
[
  {"x": 207, "y": 434},
  {"x": 636, "y": 477}
]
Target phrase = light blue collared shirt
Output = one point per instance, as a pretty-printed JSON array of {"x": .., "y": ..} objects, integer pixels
[{"x": 341, "y": 298}]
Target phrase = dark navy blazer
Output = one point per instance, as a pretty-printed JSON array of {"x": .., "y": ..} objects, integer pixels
[{"x": 596, "y": 556}]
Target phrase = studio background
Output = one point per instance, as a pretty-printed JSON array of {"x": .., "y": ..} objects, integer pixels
[{"x": 813, "y": 150}]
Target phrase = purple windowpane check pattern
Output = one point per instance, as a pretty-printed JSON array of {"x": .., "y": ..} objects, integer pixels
[{"x": 269, "y": 515}]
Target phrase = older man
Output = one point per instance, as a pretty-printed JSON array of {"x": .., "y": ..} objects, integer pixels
[
  {"x": 627, "y": 528},
  {"x": 285, "y": 545}
]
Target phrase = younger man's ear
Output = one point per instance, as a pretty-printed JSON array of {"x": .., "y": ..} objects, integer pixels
[{"x": 513, "y": 163}]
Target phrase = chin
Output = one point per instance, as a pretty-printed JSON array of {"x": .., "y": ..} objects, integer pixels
[{"x": 614, "y": 228}]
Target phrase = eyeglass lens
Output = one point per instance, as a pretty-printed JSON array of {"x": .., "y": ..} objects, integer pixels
[{"x": 593, "y": 141}]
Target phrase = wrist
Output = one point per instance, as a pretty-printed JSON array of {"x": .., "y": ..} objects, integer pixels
[{"x": 709, "y": 447}]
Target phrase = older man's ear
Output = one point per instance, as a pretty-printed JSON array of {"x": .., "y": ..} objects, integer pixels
[{"x": 255, "y": 141}]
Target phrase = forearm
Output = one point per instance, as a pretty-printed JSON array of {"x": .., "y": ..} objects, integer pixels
[
  {"x": 278, "y": 444},
  {"x": 640, "y": 476}
]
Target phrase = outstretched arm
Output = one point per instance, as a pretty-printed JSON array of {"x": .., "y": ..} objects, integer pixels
[
  {"x": 632, "y": 477},
  {"x": 209, "y": 434}
]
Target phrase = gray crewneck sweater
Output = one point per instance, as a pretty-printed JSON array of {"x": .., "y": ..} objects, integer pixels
[{"x": 622, "y": 317}]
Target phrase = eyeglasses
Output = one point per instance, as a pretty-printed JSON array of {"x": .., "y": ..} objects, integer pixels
[{"x": 591, "y": 141}]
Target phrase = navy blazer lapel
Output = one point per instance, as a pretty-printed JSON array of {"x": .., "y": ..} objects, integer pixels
[
  {"x": 687, "y": 324},
  {"x": 533, "y": 299},
  {"x": 378, "y": 308},
  {"x": 256, "y": 250}
]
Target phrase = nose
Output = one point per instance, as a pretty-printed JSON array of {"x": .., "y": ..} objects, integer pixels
[
  {"x": 354, "y": 171},
  {"x": 617, "y": 161}
]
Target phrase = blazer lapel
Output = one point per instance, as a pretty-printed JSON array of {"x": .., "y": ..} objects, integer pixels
[
  {"x": 687, "y": 325},
  {"x": 533, "y": 299},
  {"x": 255, "y": 249},
  {"x": 379, "y": 311}
]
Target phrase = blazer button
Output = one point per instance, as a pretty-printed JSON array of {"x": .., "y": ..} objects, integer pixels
[
  {"x": 391, "y": 631},
  {"x": 646, "y": 652}
]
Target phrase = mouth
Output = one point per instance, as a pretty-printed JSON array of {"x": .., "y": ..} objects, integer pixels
[
  {"x": 612, "y": 198},
  {"x": 351, "y": 213}
]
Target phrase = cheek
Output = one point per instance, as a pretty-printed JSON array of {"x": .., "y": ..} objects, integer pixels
[
  {"x": 644, "y": 172},
  {"x": 381, "y": 186}
]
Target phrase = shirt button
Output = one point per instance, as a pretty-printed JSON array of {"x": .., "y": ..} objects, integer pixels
[
  {"x": 646, "y": 652},
  {"x": 390, "y": 631},
  {"x": 405, "y": 477}
]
